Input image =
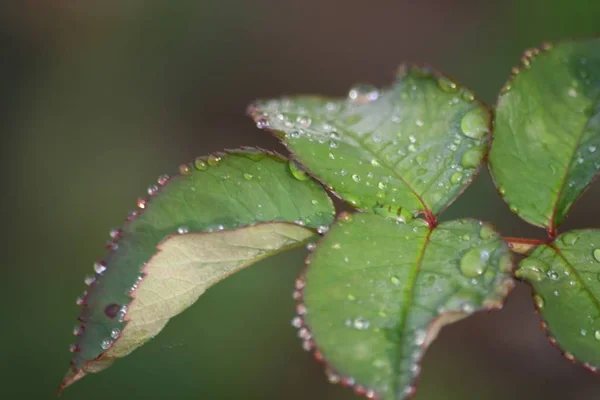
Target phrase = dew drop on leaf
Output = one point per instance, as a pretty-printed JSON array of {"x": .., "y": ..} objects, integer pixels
[
  {"x": 363, "y": 93},
  {"x": 297, "y": 171},
  {"x": 474, "y": 263},
  {"x": 472, "y": 157},
  {"x": 213, "y": 160},
  {"x": 538, "y": 301},
  {"x": 456, "y": 178},
  {"x": 596, "y": 254},
  {"x": 474, "y": 123},
  {"x": 185, "y": 169},
  {"x": 200, "y": 164},
  {"x": 532, "y": 270},
  {"x": 99, "y": 267},
  {"x": 447, "y": 85}
]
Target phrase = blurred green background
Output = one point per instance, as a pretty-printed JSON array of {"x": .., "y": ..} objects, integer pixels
[{"x": 100, "y": 97}]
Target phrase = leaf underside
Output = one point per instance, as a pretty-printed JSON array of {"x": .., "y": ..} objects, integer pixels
[
  {"x": 547, "y": 132},
  {"x": 406, "y": 150},
  {"x": 565, "y": 277},
  {"x": 377, "y": 291},
  {"x": 221, "y": 213}
]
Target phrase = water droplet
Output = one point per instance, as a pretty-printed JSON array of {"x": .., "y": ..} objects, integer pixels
[
  {"x": 456, "y": 178},
  {"x": 200, "y": 164},
  {"x": 301, "y": 309},
  {"x": 419, "y": 123},
  {"x": 89, "y": 280},
  {"x": 99, "y": 267},
  {"x": 447, "y": 85},
  {"x": 163, "y": 179},
  {"x": 141, "y": 203},
  {"x": 420, "y": 336},
  {"x": 352, "y": 200},
  {"x": 395, "y": 280},
  {"x": 487, "y": 231},
  {"x": 596, "y": 254},
  {"x": 572, "y": 92},
  {"x": 262, "y": 123},
  {"x": 475, "y": 123},
  {"x": 297, "y": 322},
  {"x": 474, "y": 263},
  {"x": 152, "y": 190},
  {"x": 248, "y": 176},
  {"x": 569, "y": 238},
  {"x": 360, "y": 323},
  {"x": 182, "y": 230},
  {"x": 322, "y": 229},
  {"x": 552, "y": 275},
  {"x": 213, "y": 160},
  {"x": 356, "y": 178},
  {"x": 351, "y": 297},
  {"x": 538, "y": 301},
  {"x": 297, "y": 171},
  {"x": 556, "y": 292},
  {"x": 303, "y": 121},
  {"x": 583, "y": 332},
  {"x": 185, "y": 169},
  {"x": 531, "y": 270},
  {"x": 115, "y": 333},
  {"x": 597, "y": 335},
  {"x": 332, "y": 377},
  {"x": 468, "y": 96},
  {"x": 592, "y": 149},
  {"x": 77, "y": 330},
  {"x": 472, "y": 157},
  {"x": 363, "y": 94},
  {"x": 73, "y": 348},
  {"x": 311, "y": 246},
  {"x": 106, "y": 344},
  {"x": 112, "y": 310},
  {"x": 79, "y": 301}
]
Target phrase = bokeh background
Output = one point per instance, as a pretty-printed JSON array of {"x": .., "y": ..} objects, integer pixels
[{"x": 100, "y": 97}]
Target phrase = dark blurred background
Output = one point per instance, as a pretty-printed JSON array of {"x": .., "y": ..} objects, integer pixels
[{"x": 100, "y": 97}]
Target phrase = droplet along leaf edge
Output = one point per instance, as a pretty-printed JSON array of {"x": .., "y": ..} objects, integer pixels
[
  {"x": 310, "y": 216},
  {"x": 556, "y": 218},
  {"x": 418, "y": 71},
  {"x": 495, "y": 301}
]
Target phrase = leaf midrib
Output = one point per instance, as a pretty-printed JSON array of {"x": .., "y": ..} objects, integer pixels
[{"x": 408, "y": 301}]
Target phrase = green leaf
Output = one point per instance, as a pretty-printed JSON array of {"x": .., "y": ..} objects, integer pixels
[
  {"x": 565, "y": 276},
  {"x": 220, "y": 214},
  {"x": 547, "y": 132},
  {"x": 405, "y": 150},
  {"x": 377, "y": 292}
]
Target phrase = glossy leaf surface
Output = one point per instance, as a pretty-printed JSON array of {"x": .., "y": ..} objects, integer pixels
[
  {"x": 547, "y": 131},
  {"x": 408, "y": 149},
  {"x": 221, "y": 213},
  {"x": 377, "y": 292}
]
